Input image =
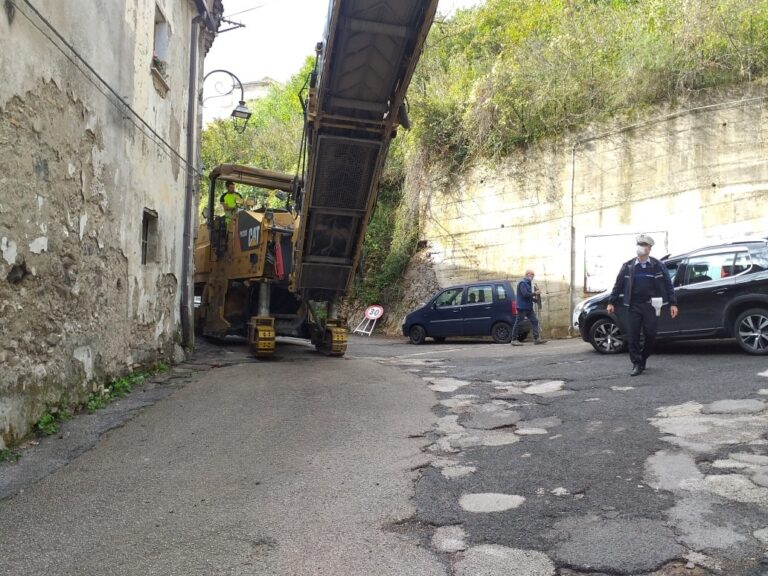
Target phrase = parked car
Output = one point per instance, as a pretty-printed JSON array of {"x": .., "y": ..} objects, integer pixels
[
  {"x": 722, "y": 292},
  {"x": 477, "y": 309}
]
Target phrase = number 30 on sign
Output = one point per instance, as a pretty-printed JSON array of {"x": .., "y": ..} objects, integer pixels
[{"x": 374, "y": 312}]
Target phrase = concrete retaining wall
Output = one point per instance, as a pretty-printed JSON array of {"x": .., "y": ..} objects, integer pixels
[{"x": 692, "y": 175}]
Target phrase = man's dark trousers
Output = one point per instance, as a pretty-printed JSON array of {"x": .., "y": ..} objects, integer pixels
[
  {"x": 531, "y": 315},
  {"x": 641, "y": 316}
]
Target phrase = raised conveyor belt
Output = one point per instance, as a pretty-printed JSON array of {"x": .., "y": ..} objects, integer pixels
[{"x": 365, "y": 63}]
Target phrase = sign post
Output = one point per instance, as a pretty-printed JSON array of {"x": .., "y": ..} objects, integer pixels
[{"x": 368, "y": 323}]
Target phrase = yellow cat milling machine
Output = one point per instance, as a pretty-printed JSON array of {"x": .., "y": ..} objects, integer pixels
[
  {"x": 271, "y": 271},
  {"x": 242, "y": 261}
]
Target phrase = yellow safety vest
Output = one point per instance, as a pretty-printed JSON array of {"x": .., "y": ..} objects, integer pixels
[{"x": 230, "y": 200}]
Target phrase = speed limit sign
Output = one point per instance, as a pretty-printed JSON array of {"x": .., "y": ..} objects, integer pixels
[
  {"x": 368, "y": 323},
  {"x": 374, "y": 312}
]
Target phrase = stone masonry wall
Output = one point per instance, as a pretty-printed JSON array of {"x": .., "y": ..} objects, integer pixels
[{"x": 78, "y": 307}]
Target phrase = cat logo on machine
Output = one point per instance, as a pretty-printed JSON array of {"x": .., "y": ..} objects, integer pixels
[
  {"x": 250, "y": 232},
  {"x": 254, "y": 233}
]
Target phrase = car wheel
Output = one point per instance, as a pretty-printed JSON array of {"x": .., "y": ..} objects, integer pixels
[
  {"x": 417, "y": 334},
  {"x": 523, "y": 336},
  {"x": 751, "y": 331},
  {"x": 606, "y": 337},
  {"x": 501, "y": 333},
  {"x": 439, "y": 339}
]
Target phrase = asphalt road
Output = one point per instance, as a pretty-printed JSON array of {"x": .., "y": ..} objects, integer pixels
[
  {"x": 464, "y": 458},
  {"x": 555, "y": 449}
]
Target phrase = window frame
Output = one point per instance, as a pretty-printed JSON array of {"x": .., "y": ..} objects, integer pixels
[
  {"x": 150, "y": 231},
  {"x": 161, "y": 39},
  {"x": 161, "y": 52},
  {"x": 690, "y": 263},
  {"x": 680, "y": 268},
  {"x": 487, "y": 288},
  {"x": 459, "y": 291}
]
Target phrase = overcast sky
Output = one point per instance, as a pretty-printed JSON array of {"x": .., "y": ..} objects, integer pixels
[{"x": 278, "y": 35}]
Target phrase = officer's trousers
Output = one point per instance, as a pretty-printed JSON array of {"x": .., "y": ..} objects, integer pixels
[{"x": 642, "y": 318}]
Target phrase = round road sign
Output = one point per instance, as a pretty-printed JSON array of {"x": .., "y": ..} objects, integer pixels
[{"x": 374, "y": 312}]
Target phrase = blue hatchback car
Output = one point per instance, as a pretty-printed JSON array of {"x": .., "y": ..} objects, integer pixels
[{"x": 478, "y": 309}]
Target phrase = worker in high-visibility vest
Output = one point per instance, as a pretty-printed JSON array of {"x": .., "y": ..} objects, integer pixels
[{"x": 231, "y": 199}]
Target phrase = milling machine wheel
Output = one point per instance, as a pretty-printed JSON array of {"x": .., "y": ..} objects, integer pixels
[
  {"x": 261, "y": 336},
  {"x": 334, "y": 342}
]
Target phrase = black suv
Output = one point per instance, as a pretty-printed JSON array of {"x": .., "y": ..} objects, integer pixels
[
  {"x": 722, "y": 292},
  {"x": 477, "y": 309}
]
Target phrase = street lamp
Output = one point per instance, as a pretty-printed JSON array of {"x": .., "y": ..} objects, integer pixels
[{"x": 241, "y": 114}]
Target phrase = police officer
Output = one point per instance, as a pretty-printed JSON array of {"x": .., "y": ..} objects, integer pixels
[{"x": 639, "y": 280}]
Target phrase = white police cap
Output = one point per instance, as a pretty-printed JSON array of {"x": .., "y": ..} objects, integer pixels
[{"x": 645, "y": 239}]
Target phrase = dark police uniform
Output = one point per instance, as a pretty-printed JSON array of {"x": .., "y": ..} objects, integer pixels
[{"x": 635, "y": 285}]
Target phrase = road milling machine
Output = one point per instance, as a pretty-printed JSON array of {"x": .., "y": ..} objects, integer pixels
[
  {"x": 242, "y": 264},
  {"x": 353, "y": 105}
]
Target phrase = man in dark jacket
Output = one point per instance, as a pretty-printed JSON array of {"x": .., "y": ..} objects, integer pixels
[
  {"x": 640, "y": 280},
  {"x": 526, "y": 294}
]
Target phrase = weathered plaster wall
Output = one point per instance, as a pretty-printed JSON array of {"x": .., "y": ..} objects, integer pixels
[
  {"x": 77, "y": 306},
  {"x": 699, "y": 173}
]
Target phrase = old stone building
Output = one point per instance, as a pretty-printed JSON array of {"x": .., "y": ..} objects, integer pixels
[{"x": 98, "y": 135}]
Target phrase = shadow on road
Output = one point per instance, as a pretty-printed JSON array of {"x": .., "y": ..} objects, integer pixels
[{"x": 709, "y": 347}]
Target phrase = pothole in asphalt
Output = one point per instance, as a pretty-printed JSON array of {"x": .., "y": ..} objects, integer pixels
[
  {"x": 494, "y": 560},
  {"x": 531, "y": 432},
  {"x": 451, "y": 468},
  {"x": 671, "y": 569},
  {"x": 704, "y": 428},
  {"x": 717, "y": 458},
  {"x": 490, "y": 502},
  {"x": 489, "y": 417},
  {"x": 449, "y": 539},
  {"x": 543, "y": 388},
  {"x": 734, "y": 407},
  {"x": 616, "y": 546},
  {"x": 475, "y": 422},
  {"x": 445, "y": 384},
  {"x": 412, "y": 528}
]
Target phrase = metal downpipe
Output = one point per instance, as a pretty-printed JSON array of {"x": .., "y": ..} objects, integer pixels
[{"x": 187, "y": 317}]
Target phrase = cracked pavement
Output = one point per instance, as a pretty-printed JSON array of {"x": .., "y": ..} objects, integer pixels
[
  {"x": 462, "y": 458},
  {"x": 554, "y": 461}
]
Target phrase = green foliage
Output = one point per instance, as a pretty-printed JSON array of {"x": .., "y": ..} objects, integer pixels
[
  {"x": 271, "y": 139},
  {"x": 8, "y": 455},
  {"x": 119, "y": 388},
  {"x": 49, "y": 422},
  {"x": 390, "y": 239},
  {"x": 512, "y": 71},
  {"x": 97, "y": 402},
  {"x": 47, "y": 425}
]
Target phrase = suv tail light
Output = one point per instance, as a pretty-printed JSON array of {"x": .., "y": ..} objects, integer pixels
[{"x": 514, "y": 308}]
